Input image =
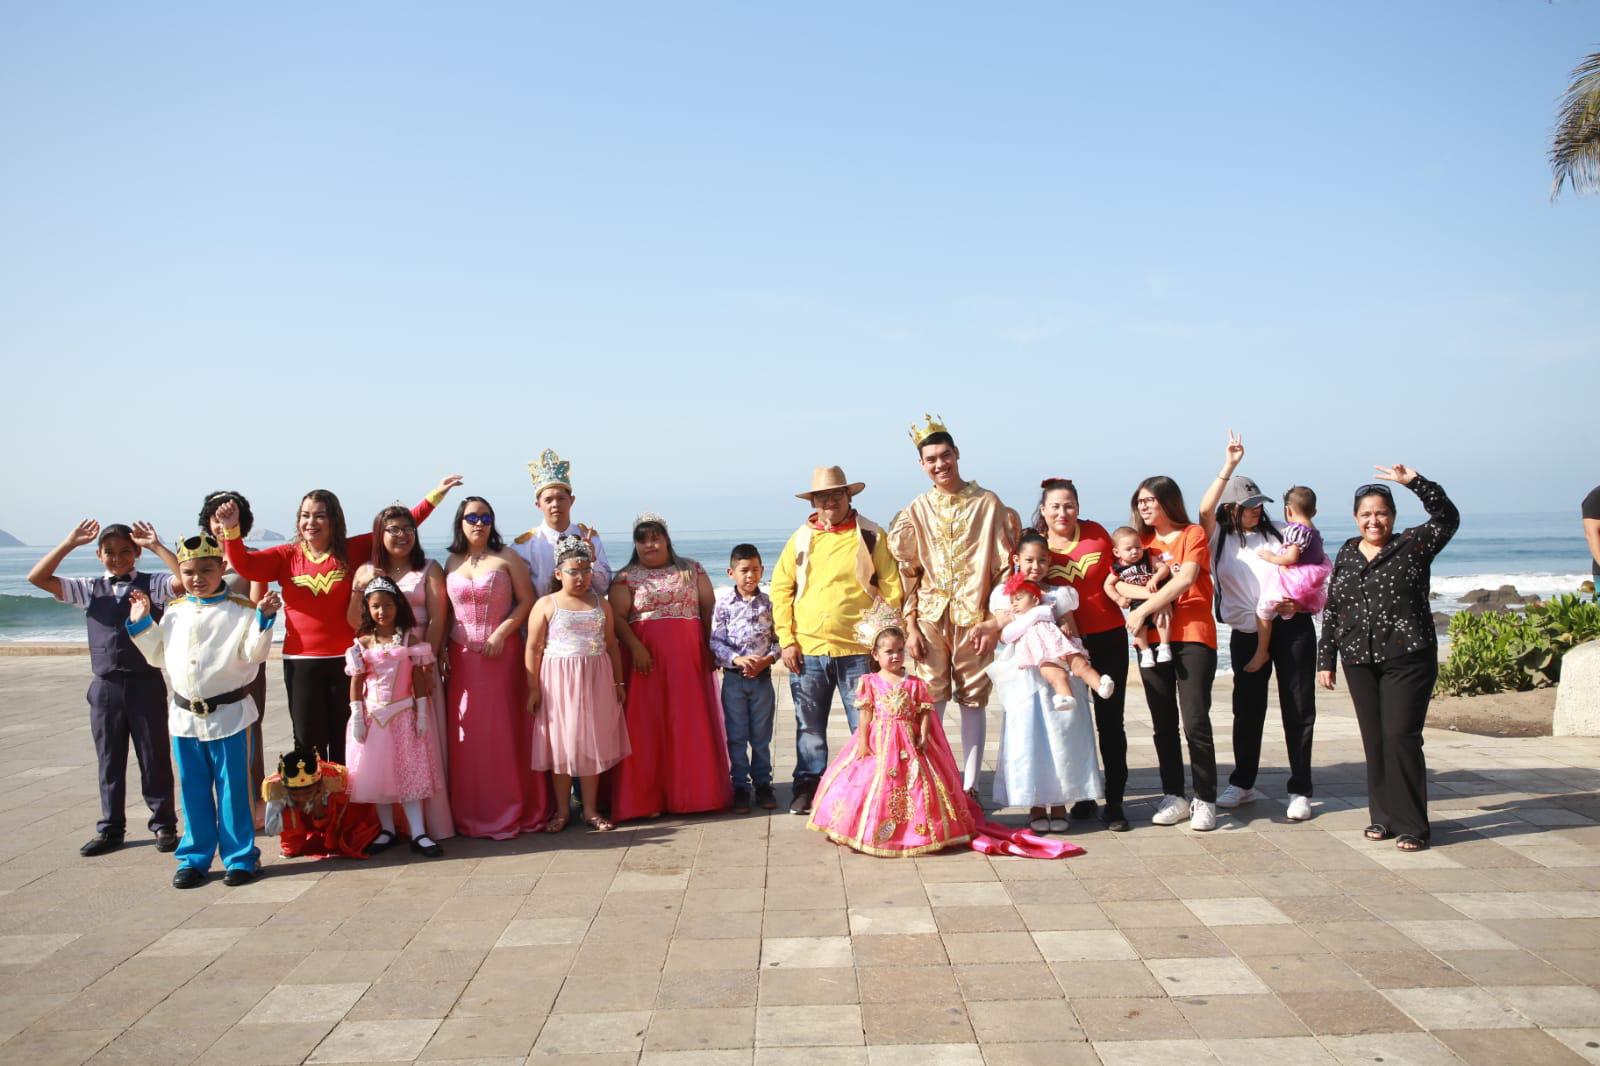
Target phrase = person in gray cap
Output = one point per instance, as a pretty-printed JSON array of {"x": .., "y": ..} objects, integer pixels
[{"x": 1238, "y": 527}]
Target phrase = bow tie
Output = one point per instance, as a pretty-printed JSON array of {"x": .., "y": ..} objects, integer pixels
[{"x": 122, "y": 579}]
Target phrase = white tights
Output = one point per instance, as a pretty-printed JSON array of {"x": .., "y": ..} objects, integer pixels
[
  {"x": 413, "y": 809},
  {"x": 973, "y": 726}
]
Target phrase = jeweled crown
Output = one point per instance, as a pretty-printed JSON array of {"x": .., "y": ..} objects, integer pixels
[
  {"x": 299, "y": 769},
  {"x": 199, "y": 546},
  {"x": 571, "y": 547},
  {"x": 878, "y": 617},
  {"x": 550, "y": 469},
  {"x": 648, "y": 518},
  {"x": 931, "y": 424}
]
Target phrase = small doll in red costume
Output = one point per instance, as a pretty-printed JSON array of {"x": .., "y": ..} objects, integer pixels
[{"x": 309, "y": 807}]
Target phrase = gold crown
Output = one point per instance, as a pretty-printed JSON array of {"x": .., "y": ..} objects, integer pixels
[
  {"x": 930, "y": 426},
  {"x": 199, "y": 546},
  {"x": 298, "y": 769}
]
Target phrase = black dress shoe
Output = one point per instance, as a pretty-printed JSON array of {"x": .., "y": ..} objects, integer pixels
[
  {"x": 188, "y": 877},
  {"x": 766, "y": 799},
  {"x": 166, "y": 840},
  {"x": 423, "y": 844},
  {"x": 1114, "y": 819},
  {"x": 100, "y": 844},
  {"x": 381, "y": 843},
  {"x": 741, "y": 801},
  {"x": 1084, "y": 809},
  {"x": 239, "y": 877}
]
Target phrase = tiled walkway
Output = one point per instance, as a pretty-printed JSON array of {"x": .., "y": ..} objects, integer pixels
[{"x": 747, "y": 939}]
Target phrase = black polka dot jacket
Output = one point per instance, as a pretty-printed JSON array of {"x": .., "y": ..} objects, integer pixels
[{"x": 1379, "y": 610}]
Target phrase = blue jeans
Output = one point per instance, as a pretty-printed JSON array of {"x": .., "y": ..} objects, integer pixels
[
  {"x": 813, "y": 689},
  {"x": 214, "y": 780},
  {"x": 747, "y": 706}
]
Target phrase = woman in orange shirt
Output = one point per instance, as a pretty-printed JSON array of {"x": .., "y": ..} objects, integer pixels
[{"x": 1180, "y": 688}]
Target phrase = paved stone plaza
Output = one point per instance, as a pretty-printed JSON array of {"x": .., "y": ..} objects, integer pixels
[{"x": 735, "y": 939}]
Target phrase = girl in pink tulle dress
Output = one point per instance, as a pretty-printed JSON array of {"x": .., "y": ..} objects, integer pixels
[
  {"x": 390, "y": 760},
  {"x": 575, "y": 685},
  {"x": 1298, "y": 583},
  {"x": 1042, "y": 645}
]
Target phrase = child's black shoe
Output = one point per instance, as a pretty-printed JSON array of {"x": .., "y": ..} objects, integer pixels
[
  {"x": 766, "y": 799},
  {"x": 238, "y": 877},
  {"x": 188, "y": 877},
  {"x": 741, "y": 801}
]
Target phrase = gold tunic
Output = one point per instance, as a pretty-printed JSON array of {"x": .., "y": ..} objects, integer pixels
[{"x": 953, "y": 548}]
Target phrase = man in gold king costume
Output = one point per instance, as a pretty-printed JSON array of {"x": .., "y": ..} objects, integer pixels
[{"x": 953, "y": 544}]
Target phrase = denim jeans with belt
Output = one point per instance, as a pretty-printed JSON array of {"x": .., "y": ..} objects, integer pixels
[
  {"x": 813, "y": 688},
  {"x": 747, "y": 706}
]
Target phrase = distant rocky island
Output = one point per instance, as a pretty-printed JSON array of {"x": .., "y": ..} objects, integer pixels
[
  {"x": 267, "y": 534},
  {"x": 8, "y": 541}
]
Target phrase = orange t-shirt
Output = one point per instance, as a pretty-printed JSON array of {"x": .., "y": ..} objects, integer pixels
[{"x": 1192, "y": 620}]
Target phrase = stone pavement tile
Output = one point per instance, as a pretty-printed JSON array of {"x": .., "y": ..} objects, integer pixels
[
  {"x": 806, "y": 952},
  {"x": 1296, "y": 884},
  {"x": 907, "y": 984},
  {"x": 1391, "y": 1049},
  {"x": 1240, "y": 911},
  {"x": 1095, "y": 979},
  {"x": 376, "y": 1041},
  {"x": 339, "y": 966},
  {"x": 1586, "y": 1042},
  {"x": 157, "y": 1047},
  {"x": 1480, "y": 905},
  {"x": 791, "y": 897},
  {"x": 1550, "y": 1007},
  {"x": 745, "y": 877},
  {"x": 104, "y": 1004},
  {"x": 1278, "y": 1050},
  {"x": 1499, "y": 1047},
  {"x": 925, "y": 1055},
  {"x": 1220, "y": 885},
  {"x": 53, "y": 976},
  {"x": 613, "y": 927},
  {"x": 1130, "y": 1018},
  {"x": 1463, "y": 935},
  {"x": 1346, "y": 1013},
  {"x": 808, "y": 1026},
  {"x": 277, "y": 1044},
  {"x": 1411, "y": 906},
  {"x": 56, "y": 1048},
  {"x": 18, "y": 1010},
  {"x": 472, "y": 1038},
  {"x": 891, "y": 920},
  {"x": 1046, "y": 916},
  {"x": 701, "y": 1029},
  {"x": 305, "y": 1003},
  {"x": 1024, "y": 1020},
  {"x": 977, "y": 919},
  {"x": 834, "y": 922},
  {"x": 1046, "y": 892},
  {"x": 1153, "y": 1052},
  {"x": 732, "y": 926},
  {"x": 804, "y": 988},
  {"x": 1008, "y": 981},
  {"x": 1306, "y": 973},
  {"x": 391, "y": 1000},
  {"x": 549, "y": 961},
  {"x": 991, "y": 947},
  {"x": 1510, "y": 967},
  {"x": 528, "y": 932},
  {"x": 1139, "y": 914},
  {"x": 1081, "y": 945},
  {"x": 1205, "y": 977},
  {"x": 1405, "y": 969},
  {"x": 718, "y": 988},
  {"x": 1056, "y": 1053},
  {"x": 969, "y": 894},
  {"x": 203, "y": 942},
  {"x": 204, "y": 1004},
  {"x": 1583, "y": 965},
  {"x": 1224, "y": 1017},
  {"x": 606, "y": 956},
  {"x": 724, "y": 1057},
  {"x": 21, "y": 950},
  {"x": 459, "y": 936},
  {"x": 428, "y": 964},
  {"x": 1456, "y": 1008},
  {"x": 1549, "y": 933},
  {"x": 917, "y": 1023},
  {"x": 949, "y": 867},
  {"x": 896, "y": 893},
  {"x": 686, "y": 957},
  {"x": 1124, "y": 889},
  {"x": 1178, "y": 942},
  {"x": 1570, "y": 904},
  {"x": 1349, "y": 938},
  {"x": 596, "y": 993},
  {"x": 366, "y": 932}
]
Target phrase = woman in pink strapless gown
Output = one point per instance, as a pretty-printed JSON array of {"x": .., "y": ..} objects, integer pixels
[{"x": 494, "y": 791}]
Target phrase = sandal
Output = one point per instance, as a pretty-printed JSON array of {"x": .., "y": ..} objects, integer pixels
[
  {"x": 556, "y": 824},
  {"x": 1038, "y": 822},
  {"x": 1376, "y": 832},
  {"x": 1407, "y": 842},
  {"x": 599, "y": 824}
]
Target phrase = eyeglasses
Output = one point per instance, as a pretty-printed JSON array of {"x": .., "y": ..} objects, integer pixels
[
  {"x": 399, "y": 531},
  {"x": 1142, "y": 500},
  {"x": 576, "y": 571},
  {"x": 478, "y": 519}
]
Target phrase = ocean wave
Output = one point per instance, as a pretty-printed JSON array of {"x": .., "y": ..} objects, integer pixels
[
  {"x": 1453, "y": 586},
  {"x": 27, "y": 617}
]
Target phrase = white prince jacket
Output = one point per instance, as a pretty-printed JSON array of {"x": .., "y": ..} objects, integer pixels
[{"x": 208, "y": 647}]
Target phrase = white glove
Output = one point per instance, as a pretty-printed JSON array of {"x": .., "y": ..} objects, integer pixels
[
  {"x": 423, "y": 714},
  {"x": 358, "y": 719},
  {"x": 272, "y": 824}
]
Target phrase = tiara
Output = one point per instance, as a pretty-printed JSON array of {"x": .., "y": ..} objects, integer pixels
[
  {"x": 381, "y": 584},
  {"x": 550, "y": 469},
  {"x": 200, "y": 546},
  {"x": 931, "y": 424},
  {"x": 878, "y": 617},
  {"x": 648, "y": 518},
  {"x": 571, "y": 547}
]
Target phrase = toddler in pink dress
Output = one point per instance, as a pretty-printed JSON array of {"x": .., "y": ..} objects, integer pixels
[
  {"x": 1298, "y": 580},
  {"x": 1041, "y": 643}
]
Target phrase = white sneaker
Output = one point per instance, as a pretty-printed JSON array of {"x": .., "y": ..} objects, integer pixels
[
  {"x": 1173, "y": 810},
  {"x": 1204, "y": 818},
  {"x": 1164, "y": 653},
  {"x": 1299, "y": 808},
  {"x": 1107, "y": 686},
  {"x": 1233, "y": 795},
  {"x": 1147, "y": 658},
  {"x": 1064, "y": 703}
]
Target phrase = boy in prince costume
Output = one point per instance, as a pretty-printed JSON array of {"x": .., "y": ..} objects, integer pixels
[{"x": 552, "y": 492}]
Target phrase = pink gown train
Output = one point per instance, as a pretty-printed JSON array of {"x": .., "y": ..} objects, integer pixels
[{"x": 436, "y": 808}]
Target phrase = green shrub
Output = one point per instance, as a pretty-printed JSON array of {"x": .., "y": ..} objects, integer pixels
[{"x": 1502, "y": 651}]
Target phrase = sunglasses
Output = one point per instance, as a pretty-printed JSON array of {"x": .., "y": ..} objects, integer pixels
[
  {"x": 195, "y": 542},
  {"x": 478, "y": 519},
  {"x": 1374, "y": 489}
]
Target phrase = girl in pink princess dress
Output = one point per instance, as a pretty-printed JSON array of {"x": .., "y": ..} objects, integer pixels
[
  {"x": 1298, "y": 583},
  {"x": 895, "y": 789},
  {"x": 390, "y": 759},
  {"x": 1042, "y": 645}
]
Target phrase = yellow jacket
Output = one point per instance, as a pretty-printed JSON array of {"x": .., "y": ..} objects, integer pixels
[{"x": 820, "y": 609}]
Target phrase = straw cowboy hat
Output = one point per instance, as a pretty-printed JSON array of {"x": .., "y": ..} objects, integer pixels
[{"x": 827, "y": 479}]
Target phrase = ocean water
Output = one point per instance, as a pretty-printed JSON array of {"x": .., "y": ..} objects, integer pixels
[{"x": 1541, "y": 553}]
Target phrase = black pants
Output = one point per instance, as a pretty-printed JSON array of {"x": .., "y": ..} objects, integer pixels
[
  {"x": 128, "y": 706},
  {"x": 1293, "y": 651},
  {"x": 319, "y": 704},
  {"x": 1108, "y": 654},
  {"x": 258, "y": 763},
  {"x": 1391, "y": 701},
  {"x": 1184, "y": 683}
]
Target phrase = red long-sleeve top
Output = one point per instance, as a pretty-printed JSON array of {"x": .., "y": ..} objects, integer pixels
[{"x": 316, "y": 589}]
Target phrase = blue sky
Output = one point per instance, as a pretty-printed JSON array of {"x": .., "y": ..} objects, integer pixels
[{"x": 701, "y": 248}]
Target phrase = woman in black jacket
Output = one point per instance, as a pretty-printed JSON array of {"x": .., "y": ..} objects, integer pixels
[{"x": 1379, "y": 623}]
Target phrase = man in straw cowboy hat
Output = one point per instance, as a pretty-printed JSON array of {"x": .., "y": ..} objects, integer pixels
[{"x": 831, "y": 571}]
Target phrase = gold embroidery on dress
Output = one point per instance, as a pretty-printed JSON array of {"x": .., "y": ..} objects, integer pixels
[{"x": 898, "y": 804}]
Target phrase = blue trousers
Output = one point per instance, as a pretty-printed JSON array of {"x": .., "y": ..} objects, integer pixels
[
  {"x": 214, "y": 781},
  {"x": 747, "y": 707},
  {"x": 813, "y": 688}
]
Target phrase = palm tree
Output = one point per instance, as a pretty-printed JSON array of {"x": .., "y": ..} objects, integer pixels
[{"x": 1575, "y": 147}]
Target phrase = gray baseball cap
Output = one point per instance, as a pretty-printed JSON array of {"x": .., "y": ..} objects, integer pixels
[{"x": 1243, "y": 492}]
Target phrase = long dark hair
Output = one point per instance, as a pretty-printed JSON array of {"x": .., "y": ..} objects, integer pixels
[
  {"x": 673, "y": 558},
  {"x": 405, "y": 620},
  {"x": 208, "y": 510},
  {"x": 336, "y": 545},
  {"x": 380, "y": 554},
  {"x": 1168, "y": 497},
  {"x": 458, "y": 539},
  {"x": 1046, "y": 487}
]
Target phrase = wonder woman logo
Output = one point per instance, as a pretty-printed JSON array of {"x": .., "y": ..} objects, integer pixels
[
  {"x": 319, "y": 584},
  {"x": 1075, "y": 570}
]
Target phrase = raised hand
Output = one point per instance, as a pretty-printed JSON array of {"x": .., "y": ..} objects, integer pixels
[
  {"x": 1235, "y": 450},
  {"x": 84, "y": 533},
  {"x": 446, "y": 483},
  {"x": 1399, "y": 473},
  {"x": 138, "y": 605},
  {"x": 268, "y": 605},
  {"x": 228, "y": 514},
  {"x": 144, "y": 535}
]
